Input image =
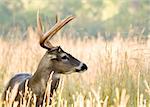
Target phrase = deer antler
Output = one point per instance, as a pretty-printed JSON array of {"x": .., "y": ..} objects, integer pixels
[{"x": 51, "y": 32}]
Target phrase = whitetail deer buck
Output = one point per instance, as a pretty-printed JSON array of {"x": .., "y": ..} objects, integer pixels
[{"x": 55, "y": 60}]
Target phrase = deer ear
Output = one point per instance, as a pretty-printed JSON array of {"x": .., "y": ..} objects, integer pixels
[{"x": 59, "y": 49}]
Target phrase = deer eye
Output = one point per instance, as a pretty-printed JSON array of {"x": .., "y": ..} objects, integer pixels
[{"x": 64, "y": 57}]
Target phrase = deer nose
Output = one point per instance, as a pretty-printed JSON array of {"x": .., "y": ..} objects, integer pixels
[
  {"x": 84, "y": 67},
  {"x": 81, "y": 67}
]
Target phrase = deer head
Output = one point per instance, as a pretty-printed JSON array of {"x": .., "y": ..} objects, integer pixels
[{"x": 56, "y": 59}]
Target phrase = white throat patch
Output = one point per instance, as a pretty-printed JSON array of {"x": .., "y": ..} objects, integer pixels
[{"x": 56, "y": 76}]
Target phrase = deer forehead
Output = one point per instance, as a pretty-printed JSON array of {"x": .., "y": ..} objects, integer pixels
[
  {"x": 52, "y": 56},
  {"x": 55, "y": 56}
]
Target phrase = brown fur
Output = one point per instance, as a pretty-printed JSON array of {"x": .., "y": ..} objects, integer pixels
[
  {"x": 38, "y": 82},
  {"x": 55, "y": 60}
]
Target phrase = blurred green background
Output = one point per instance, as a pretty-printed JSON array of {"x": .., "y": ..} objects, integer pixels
[{"x": 93, "y": 17}]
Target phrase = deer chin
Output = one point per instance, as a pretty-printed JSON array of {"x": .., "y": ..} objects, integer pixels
[
  {"x": 74, "y": 71},
  {"x": 80, "y": 71},
  {"x": 69, "y": 72}
]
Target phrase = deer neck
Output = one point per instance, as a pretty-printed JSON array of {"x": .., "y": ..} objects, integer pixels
[{"x": 38, "y": 82}]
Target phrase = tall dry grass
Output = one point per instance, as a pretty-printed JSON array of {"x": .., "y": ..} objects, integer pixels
[{"x": 118, "y": 71}]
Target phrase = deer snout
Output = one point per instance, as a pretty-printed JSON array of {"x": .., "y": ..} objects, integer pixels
[
  {"x": 84, "y": 67},
  {"x": 81, "y": 67}
]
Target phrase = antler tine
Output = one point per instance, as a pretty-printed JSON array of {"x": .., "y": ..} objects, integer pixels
[
  {"x": 50, "y": 33},
  {"x": 40, "y": 33},
  {"x": 58, "y": 26},
  {"x": 39, "y": 23},
  {"x": 56, "y": 18}
]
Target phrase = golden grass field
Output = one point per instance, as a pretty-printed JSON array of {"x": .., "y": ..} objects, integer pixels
[{"x": 118, "y": 72}]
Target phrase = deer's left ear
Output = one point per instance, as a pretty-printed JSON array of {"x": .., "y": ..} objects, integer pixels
[{"x": 59, "y": 49}]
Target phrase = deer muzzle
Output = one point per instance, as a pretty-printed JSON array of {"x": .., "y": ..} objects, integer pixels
[{"x": 82, "y": 67}]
